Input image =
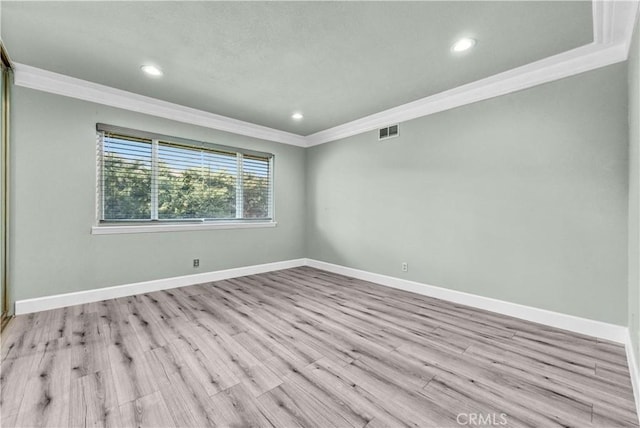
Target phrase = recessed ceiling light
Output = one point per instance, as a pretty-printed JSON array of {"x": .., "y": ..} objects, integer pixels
[
  {"x": 463, "y": 44},
  {"x": 297, "y": 116},
  {"x": 151, "y": 70}
]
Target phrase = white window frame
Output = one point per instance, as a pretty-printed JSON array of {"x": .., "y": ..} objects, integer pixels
[{"x": 154, "y": 224}]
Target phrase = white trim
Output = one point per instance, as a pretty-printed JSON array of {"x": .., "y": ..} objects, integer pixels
[
  {"x": 151, "y": 228},
  {"x": 239, "y": 185},
  {"x": 566, "y": 64},
  {"x": 612, "y": 332},
  {"x": 602, "y": 11},
  {"x": 613, "y": 22},
  {"x": 594, "y": 328},
  {"x": 632, "y": 361},
  {"x": 70, "y": 299},
  {"x": 154, "y": 180},
  {"x": 622, "y": 22},
  {"x": 55, "y": 83}
]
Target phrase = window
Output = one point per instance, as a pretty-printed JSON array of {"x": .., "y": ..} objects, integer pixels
[{"x": 144, "y": 177}]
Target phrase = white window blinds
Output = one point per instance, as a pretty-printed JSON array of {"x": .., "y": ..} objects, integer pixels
[{"x": 151, "y": 177}]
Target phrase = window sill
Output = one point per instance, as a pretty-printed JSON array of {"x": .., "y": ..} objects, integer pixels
[{"x": 150, "y": 228}]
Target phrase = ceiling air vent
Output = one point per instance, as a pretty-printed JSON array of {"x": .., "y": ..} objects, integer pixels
[{"x": 388, "y": 132}]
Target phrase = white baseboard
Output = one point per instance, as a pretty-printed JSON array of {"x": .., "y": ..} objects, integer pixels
[
  {"x": 612, "y": 332},
  {"x": 632, "y": 361},
  {"x": 70, "y": 299},
  {"x": 594, "y": 328}
]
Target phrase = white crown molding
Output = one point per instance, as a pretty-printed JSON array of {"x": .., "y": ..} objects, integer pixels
[
  {"x": 46, "y": 303},
  {"x": 621, "y": 21},
  {"x": 613, "y": 22},
  {"x": 599, "y": 329},
  {"x": 566, "y": 64},
  {"x": 47, "y": 81},
  {"x": 602, "y": 12}
]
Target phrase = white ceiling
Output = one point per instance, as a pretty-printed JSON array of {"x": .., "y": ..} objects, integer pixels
[{"x": 260, "y": 61}]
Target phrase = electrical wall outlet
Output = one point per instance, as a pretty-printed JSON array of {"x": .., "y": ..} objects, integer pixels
[
  {"x": 405, "y": 267},
  {"x": 196, "y": 262}
]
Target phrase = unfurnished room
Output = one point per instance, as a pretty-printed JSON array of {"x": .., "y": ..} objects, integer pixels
[{"x": 320, "y": 214}]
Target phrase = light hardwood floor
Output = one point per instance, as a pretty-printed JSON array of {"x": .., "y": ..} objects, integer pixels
[{"x": 303, "y": 347}]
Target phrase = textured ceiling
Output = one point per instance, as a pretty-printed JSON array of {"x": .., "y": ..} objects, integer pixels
[{"x": 260, "y": 61}]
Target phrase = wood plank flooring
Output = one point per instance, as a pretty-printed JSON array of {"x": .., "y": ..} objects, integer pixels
[{"x": 303, "y": 348}]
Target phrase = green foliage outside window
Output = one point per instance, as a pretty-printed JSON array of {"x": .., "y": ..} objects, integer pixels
[
  {"x": 196, "y": 193},
  {"x": 192, "y": 193},
  {"x": 127, "y": 189}
]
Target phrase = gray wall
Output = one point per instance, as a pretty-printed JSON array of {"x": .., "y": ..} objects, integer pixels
[
  {"x": 53, "y": 205},
  {"x": 634, "y": 193},
  {"x": 521, "y": 198}
]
